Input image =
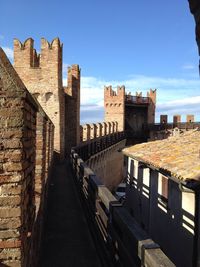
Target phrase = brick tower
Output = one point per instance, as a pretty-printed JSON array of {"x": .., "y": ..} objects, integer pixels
[
  {"x": 114, "y": 104},
  {"x": 42, "y": 75},
  {"x": 152, "y": 106},
  {"x": 72, "y": 110}
]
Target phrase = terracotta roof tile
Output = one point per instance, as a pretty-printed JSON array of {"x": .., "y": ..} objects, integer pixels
[{"x": 179, "y": 155}]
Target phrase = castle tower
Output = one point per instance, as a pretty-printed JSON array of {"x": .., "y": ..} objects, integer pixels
[
  {"x": 152, "y": 106},
  {"x": 72, "y": 112},
  {"x": 42, "y": 75},
  {"x": 114, "y": 104}
]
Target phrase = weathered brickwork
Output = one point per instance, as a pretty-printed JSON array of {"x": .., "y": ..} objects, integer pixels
[
  {"x": 72, "y": 108},
  {"x": 95, "y": 130},
  {"x": 22, "y": 164},
  {"x": 114, "y": 104},
  {"x": 130, "y": 112},
  {"x": 152, "y": 105},
  {"x": 165, "y": 129}
]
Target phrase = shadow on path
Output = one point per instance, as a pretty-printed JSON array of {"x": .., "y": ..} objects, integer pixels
[{"x": 67, "y": 240}]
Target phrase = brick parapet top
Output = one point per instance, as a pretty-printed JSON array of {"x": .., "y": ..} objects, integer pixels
[
  {"x": 29, "y": 43},
  {"x": 98, "y": 123}
]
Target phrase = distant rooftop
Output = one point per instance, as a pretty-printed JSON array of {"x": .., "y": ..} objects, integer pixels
[{"x": 178, "y": 155}]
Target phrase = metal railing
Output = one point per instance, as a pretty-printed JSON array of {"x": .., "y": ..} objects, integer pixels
[{"x": 137, "y": 99}]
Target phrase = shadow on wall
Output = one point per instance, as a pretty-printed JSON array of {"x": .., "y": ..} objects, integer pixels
[
  {"x": 162, "y": 210},
  {"x": 109, "y": 165}
]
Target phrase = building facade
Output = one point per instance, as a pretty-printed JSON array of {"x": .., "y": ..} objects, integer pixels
[{"x": 163, "y": 194}]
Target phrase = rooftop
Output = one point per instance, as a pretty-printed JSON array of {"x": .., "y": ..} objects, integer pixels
[{"x": 178, "y": 155}]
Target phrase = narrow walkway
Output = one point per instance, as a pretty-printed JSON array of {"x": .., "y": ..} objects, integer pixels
[{"x": 67, "y": 240}]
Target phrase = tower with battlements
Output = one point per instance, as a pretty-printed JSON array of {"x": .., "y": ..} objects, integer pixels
[
  {"x": 42, "y": 75},
  {"x": 132, "y": 113},
  {"x": 114, "y": 104}
]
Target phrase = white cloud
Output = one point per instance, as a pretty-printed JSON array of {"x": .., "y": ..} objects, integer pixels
[
  {"x": 65, "y": 81},
  {"x": 168, "y": 89},
  {"x": 183, "y": 107},
  {"x": 64, "y": 67},
  {"x": 9, "y": 52},
  {"x": 188, "y": 67},
  {"x": 174, "y": 96}
]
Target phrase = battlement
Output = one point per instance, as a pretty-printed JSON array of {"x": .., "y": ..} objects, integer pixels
[
  {"x": 139, "y": 99},
  {"x": 96, "y": 130},
  {"x": 152, "y": 95},
  {"x": 177, "y": 119},
  {"x": 109, "y": 92},
  {"x": 26, "y": 55},
  {"x": 55, "y": 44},
  {"x": 73, "y": 80}
]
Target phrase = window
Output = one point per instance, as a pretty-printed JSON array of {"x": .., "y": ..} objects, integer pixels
[{"x": 163, "y": 188}]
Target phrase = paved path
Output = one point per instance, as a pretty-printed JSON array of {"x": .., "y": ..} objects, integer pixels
[{"x": 67, "y": 240}]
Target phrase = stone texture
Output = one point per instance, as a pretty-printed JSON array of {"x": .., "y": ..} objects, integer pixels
[
  {"x": 114, "y": 104},
  {"x": 72, "y": 108},
  {"x": 23, "y": 150}
]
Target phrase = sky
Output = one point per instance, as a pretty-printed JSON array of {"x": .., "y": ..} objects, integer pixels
[{"x": 140, "y": 44}]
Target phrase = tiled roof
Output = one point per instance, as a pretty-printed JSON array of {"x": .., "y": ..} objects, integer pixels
[{"x": 178, "y": 155}]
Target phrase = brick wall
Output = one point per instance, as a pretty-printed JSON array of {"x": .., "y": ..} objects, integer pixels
[
  {"x": 114, "y": 104},
  {"x": 72, "y": 108},
  {"x": 23, "y": 162},
  {"x": 108, "y": 165},
  {"x": 95, "y": 130},
  {"x": 152, "y": 105}
]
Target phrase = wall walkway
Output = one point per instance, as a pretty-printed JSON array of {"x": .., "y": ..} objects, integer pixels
[{"x": 67, "y": 239}]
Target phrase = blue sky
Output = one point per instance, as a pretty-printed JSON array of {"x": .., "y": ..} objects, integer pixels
[{"x": 141, "y": 44}]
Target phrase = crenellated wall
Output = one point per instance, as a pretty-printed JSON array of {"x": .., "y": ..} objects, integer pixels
[
  {"x": 26, "y": 141},
  {"x": 96, "y": 130},
  {"x": 164, "y": 129}
]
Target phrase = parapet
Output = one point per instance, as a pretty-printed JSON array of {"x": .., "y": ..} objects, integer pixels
[
  {"x": 96, "y": 130},
  {"x": 27, "y": 44},
  {"x": 25, "y": 54},
  {"x": 152, "y": 95},
  {"x": 53, "y": 45},
  {"x": 109, "y": 92},
  {"x": 74, "y": 70},
  {"x": 139, "y": 99},
  {"x": 73, "y": 81},
  {"x": 177, "y": 119}
]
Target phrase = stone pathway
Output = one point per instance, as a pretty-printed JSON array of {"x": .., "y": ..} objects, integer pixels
[{"x": 67, "y": 240}]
